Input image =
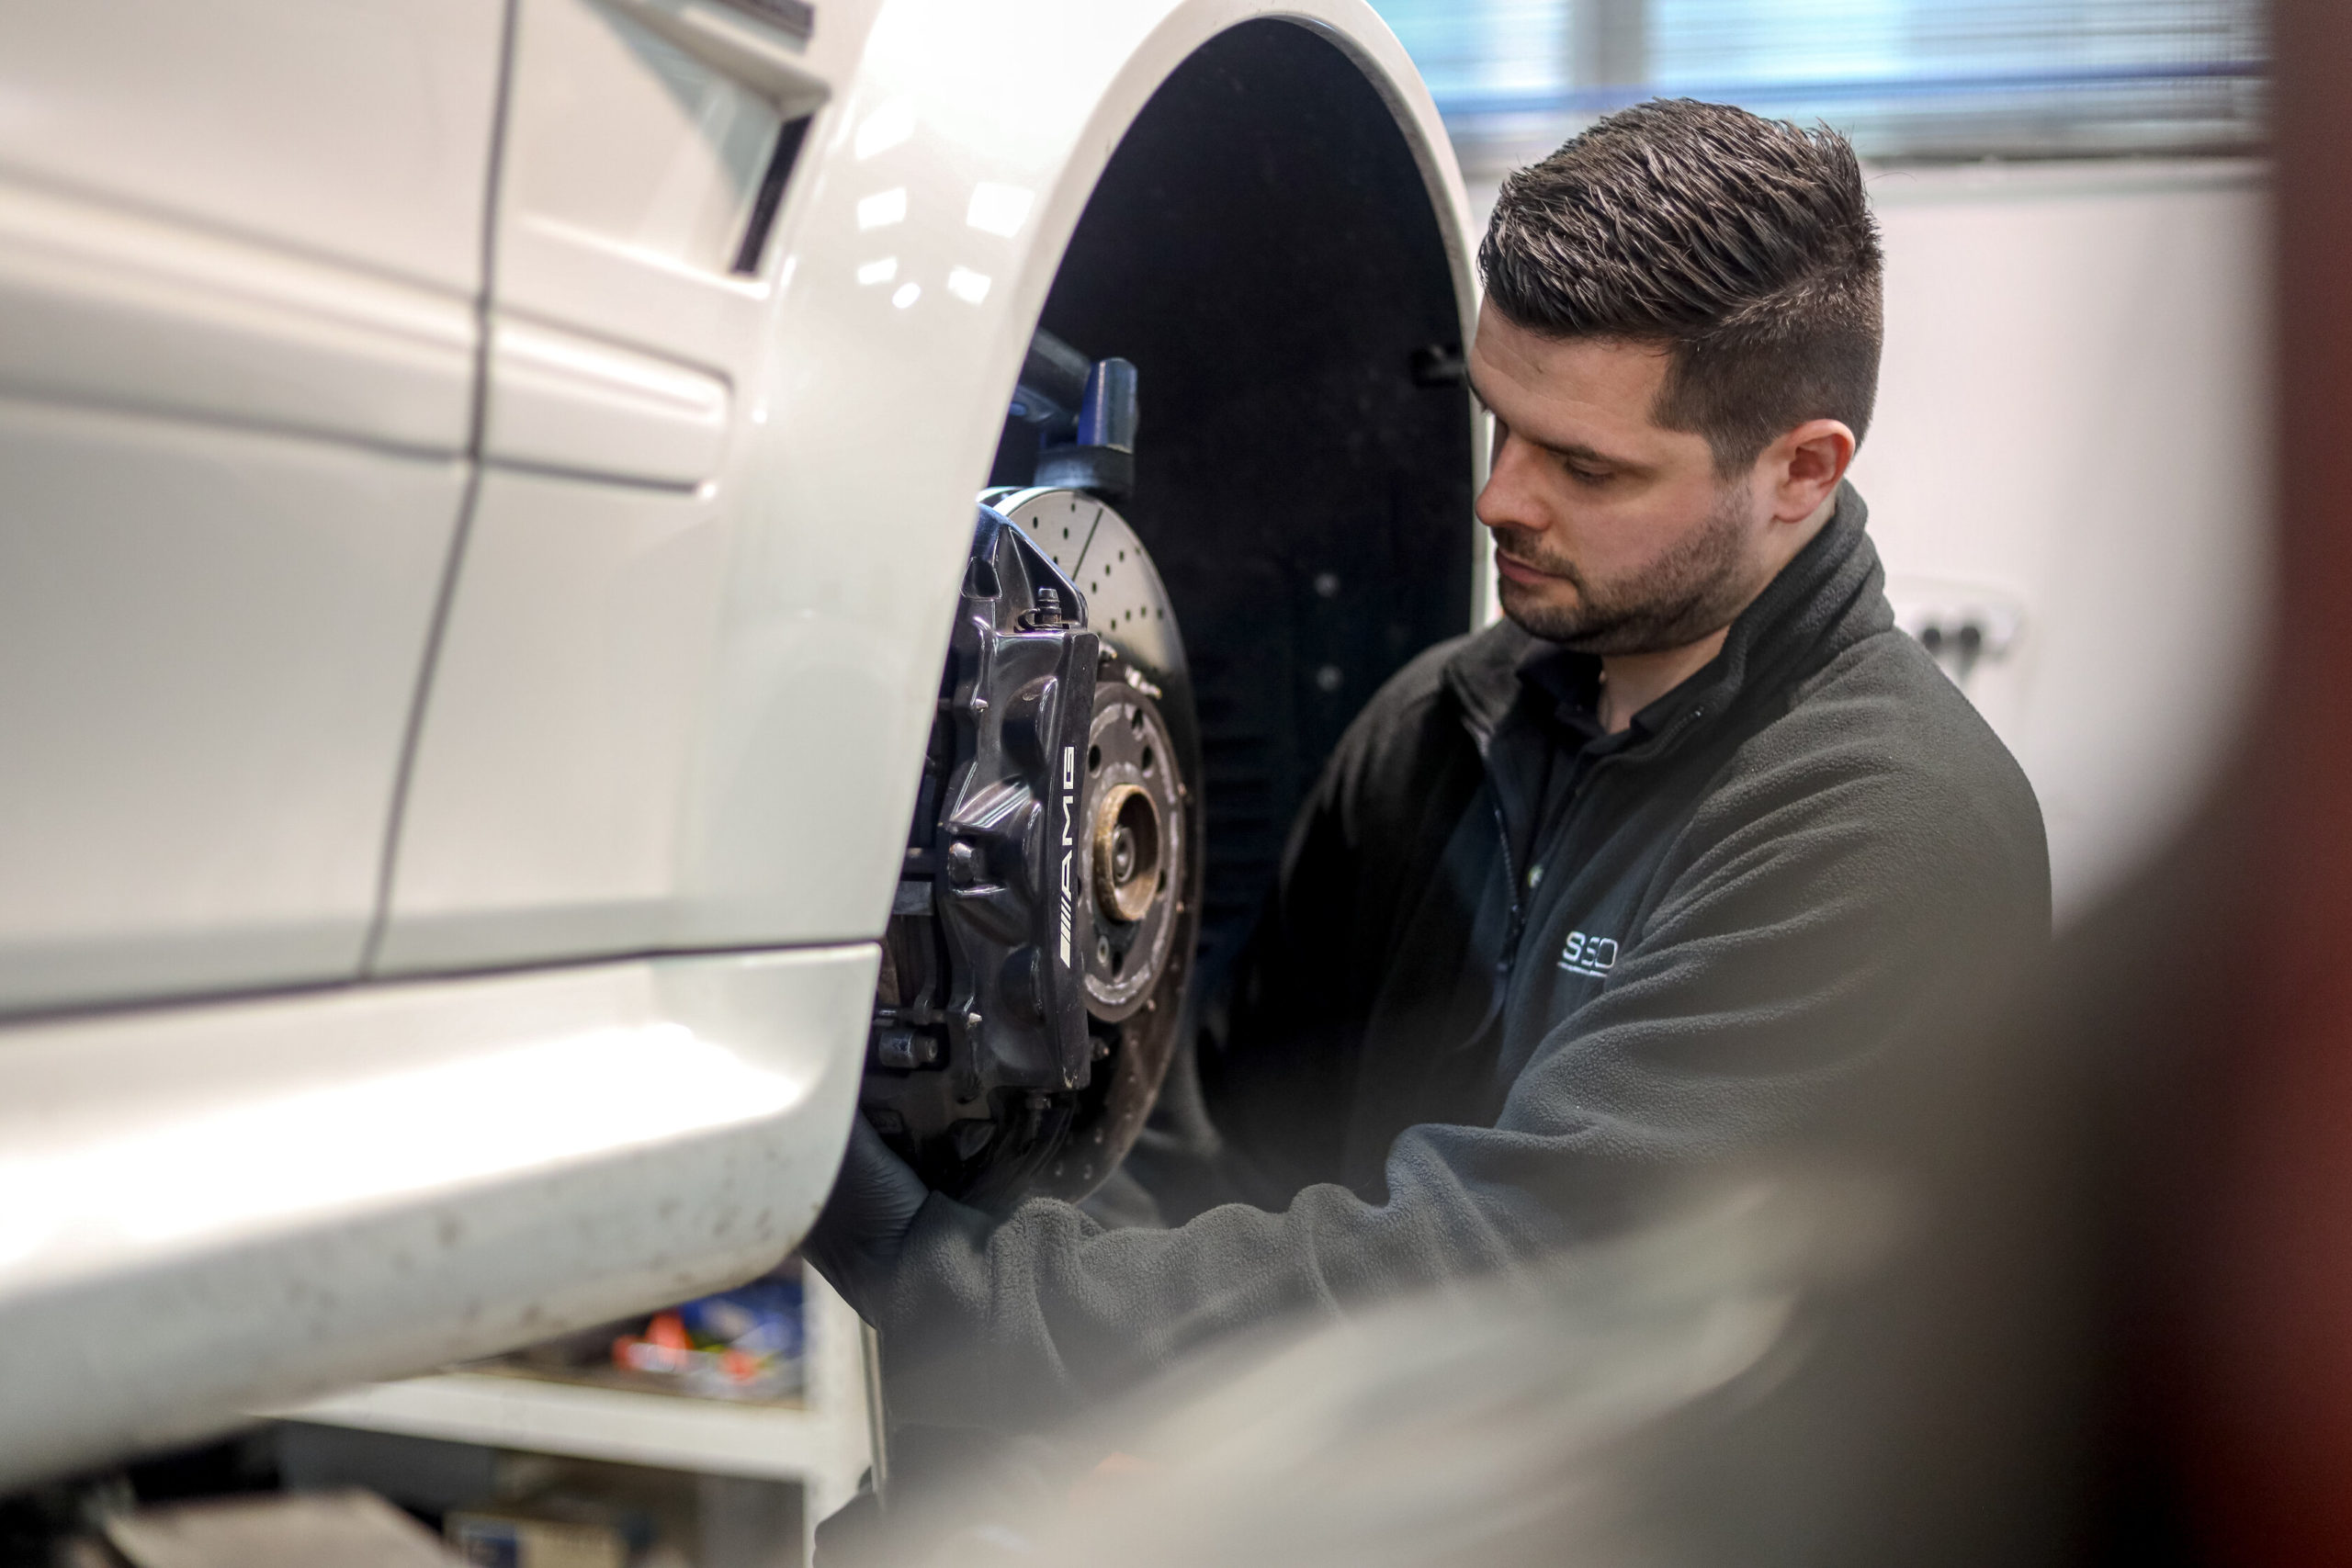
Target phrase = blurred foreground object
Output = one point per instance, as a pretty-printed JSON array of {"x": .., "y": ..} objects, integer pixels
[
  {"x": 1783, "y": 1368},
  {"x": 1518, "y": 1423},
  {"x": 345, "y": 1530},
  {"x": 2268, "y": 1288}
]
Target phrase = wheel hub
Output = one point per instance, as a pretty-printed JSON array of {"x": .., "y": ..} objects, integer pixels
[
  {"x": 1126, "y": 853},
  {"x": 1132, "y": 801}
]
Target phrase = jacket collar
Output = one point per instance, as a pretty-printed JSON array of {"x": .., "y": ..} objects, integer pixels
[{"x": 1828, "y": 598}]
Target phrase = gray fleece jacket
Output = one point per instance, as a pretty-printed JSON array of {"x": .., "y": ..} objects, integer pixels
[{"x": 1516, "y": 975}]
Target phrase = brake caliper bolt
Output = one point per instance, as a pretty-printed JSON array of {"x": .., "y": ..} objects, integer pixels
[{"x": 1048, "y": 614}]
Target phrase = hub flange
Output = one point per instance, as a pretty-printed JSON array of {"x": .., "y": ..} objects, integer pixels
[{"x": 1137, "y": 837}]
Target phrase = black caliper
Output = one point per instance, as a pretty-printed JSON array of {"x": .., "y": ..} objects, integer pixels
[{"x": 979, "y": 1042}]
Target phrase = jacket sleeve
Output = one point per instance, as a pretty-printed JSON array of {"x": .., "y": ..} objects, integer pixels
[
  {"x": 1280, "y": 1027},
  {"x": 1819, "y": 907}
]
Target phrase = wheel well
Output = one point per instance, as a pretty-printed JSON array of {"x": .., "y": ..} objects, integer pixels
[{"x": 1263, "y": 246}]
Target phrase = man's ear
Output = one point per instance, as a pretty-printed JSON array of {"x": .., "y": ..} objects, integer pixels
[{"x": 1805, "y": 466}]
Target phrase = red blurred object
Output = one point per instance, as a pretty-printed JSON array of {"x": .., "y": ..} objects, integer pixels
[
  {"x": 669, "y": 1331},
  {"x": 2270, "y": 1450}
]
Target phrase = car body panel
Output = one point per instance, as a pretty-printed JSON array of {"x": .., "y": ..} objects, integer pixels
[
  {"x": 241, "y": 261},
  {"x": 208, "y": 647},
  {"x": 205, "y": 1210},
  {"x": 356, "y": 133},
  {"x": 567, "y": 403},
  {"x": 113, "y": 308},
  {"x": 546, "y": 807}
]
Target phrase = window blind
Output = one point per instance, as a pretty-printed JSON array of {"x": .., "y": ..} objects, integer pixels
[{"x": 1906, "y": 79}]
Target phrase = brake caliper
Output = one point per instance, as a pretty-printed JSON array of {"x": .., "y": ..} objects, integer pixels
[{"x": 981, "y": 1016}]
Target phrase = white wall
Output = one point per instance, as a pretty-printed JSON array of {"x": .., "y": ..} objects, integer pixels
[
  {"x": 2072, "y": 411},
  {"x": 2072, "y": 426}
]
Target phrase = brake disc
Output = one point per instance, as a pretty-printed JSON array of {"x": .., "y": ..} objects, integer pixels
[{"x": 1036, "y": 960}]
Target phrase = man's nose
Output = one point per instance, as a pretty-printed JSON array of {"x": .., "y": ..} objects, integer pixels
[{"x": 1509, "y": 500}]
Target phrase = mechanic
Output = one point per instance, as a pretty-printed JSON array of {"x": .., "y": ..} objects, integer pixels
[{"x": 1625, "y": 885}]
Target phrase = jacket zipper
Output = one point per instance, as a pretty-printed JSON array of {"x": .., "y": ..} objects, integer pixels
[
  {"x": 1499, "y": 991},
  {"x": 1515, "y": 927}
]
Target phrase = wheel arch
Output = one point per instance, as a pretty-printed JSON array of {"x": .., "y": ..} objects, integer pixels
[{"x": 1049, "y": 112}]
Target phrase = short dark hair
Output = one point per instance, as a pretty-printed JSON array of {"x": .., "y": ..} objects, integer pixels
[{"x": 1743, "y": 244}]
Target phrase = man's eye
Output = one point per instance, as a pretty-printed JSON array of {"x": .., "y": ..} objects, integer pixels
[{"x": 1583, "y": 474}]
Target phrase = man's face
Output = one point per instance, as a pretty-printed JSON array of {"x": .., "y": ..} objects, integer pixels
[{"x": 1612, "y": 535}]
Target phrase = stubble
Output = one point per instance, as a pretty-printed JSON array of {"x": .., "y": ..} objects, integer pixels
[{"x": 1693, "y": 590}]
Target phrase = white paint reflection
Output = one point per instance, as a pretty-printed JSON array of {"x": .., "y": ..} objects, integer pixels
[
  {"x": 883, "y": 208},
  {"x": 999, "y": 209},
  {"x": 351, "y": 1146},
  {"x": 886, "y": 128},
  {"x": 876, "y": 272},
  {"x": 969, "y": 286},
  {"x": 907, "y": 295}
]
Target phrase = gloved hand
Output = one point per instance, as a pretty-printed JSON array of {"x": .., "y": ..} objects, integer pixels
[{"x": 857, "y": 1239}]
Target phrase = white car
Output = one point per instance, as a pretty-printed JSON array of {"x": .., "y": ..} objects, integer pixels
[{"x": 490, "y": 575}]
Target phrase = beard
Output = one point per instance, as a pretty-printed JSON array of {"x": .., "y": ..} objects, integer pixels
[{"x": 1696, "y": 588}]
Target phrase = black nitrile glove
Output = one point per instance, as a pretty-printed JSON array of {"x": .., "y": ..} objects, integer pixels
[{"x": 857, "y": 1239}]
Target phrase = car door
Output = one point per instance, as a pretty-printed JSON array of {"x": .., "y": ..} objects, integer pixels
[
  {"x": 645, "y": 168},
  {"x": 241, "y": 269}
]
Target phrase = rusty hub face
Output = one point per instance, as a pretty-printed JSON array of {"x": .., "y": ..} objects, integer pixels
[{"x": 1127, "y": 866}]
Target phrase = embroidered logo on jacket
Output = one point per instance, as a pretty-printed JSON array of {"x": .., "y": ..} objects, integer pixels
[{"x": 1594, "y": 955}]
